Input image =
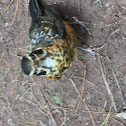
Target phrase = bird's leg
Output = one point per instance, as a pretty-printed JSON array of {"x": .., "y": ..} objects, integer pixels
[
  {"x": 83, "y": 25},
  {"x": 93, "y": 51}
]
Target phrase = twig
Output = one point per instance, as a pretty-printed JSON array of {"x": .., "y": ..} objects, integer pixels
[
  {"x": 26, "y": 91},
  {"x": 24, "y": 50},
  {"x": 17, "y": 5},
  {"x": 17, "y": 56},
  {"x": 43, "y": 106},
  {"x": 82, "y": 92},
  {"x": 1, "y": 57},
  {"x": 49, "y": 109},
  {"x": 74, "y": 86},
  {"x": 99, "y": 48},
  {"x": 117, "y": 83},
  {"x": 105, "y": 104},
  {"x": 7, "y": 7},
  {"x": 121, "y": 124},
  {"x": 107, "y": 117},
  {"x": 22, "y": 123},
  {"x": 46, "y": 101},
  {"x": 26, "y": 4},
  {"x": 112, "y": 33},
  {"x": 64, "y": 120},
  {"x": 106, "y": 84},
  {"x": 88, "y": 82},
  {"x": 35, "y": 106},
  {"x": 83, "y": 102}
]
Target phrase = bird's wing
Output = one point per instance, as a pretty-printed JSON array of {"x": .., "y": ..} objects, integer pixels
[{"x": 47, "y": 25}]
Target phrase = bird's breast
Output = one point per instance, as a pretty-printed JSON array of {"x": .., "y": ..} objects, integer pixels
[{"x": 49, "y": 62}]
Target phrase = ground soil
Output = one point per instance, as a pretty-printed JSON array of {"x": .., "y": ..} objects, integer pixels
[{"x": 92, "y": 91}]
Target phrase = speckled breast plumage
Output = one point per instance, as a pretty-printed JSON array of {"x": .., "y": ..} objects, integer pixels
[{"x": 52, "y": 44}]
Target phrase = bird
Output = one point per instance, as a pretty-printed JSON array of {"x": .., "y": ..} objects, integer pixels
[{"x": 52, "y": 43}]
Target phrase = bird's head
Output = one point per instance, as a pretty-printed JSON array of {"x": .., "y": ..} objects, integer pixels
[{"x": 30, "y": 63}]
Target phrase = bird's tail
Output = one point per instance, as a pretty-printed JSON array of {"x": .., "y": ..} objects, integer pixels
[
  {"x": 34, "y": 9},
  {"x": 49, "y": 11}
]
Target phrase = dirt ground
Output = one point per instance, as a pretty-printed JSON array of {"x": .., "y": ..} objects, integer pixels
[{"x": 91, "y": 93}]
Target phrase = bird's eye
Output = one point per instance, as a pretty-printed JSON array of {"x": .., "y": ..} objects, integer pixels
[
  {"x": 39, "y": 51},
  {"x": 32, "y": 56},
  {"x": 40, "y": 73}
]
